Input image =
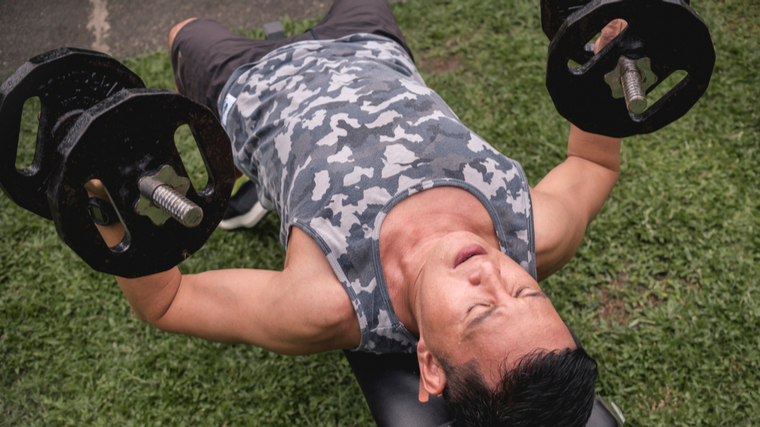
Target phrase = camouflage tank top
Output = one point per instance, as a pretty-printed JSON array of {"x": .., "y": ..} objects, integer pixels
[{"x": 335, "y": 133}]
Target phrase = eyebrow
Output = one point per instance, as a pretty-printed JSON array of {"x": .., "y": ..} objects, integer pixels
[{"x": 486, "y": 314}]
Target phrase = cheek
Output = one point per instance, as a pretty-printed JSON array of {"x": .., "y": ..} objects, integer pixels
[
  {"x": 448, "y": 297},
  {"x": 440, "y": 306}
]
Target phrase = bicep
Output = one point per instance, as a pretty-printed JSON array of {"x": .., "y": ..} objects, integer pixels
[{"x": 270, "y": 309}]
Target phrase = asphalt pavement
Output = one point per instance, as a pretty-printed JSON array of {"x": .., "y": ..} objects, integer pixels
[{"x": 124, "y": 28}]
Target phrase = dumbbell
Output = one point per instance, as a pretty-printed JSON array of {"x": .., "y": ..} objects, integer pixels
[
  {"x": 606, "y": 93},
  {"x": 125, "y": 140}
]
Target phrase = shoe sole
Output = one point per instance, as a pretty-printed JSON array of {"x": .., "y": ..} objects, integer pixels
[{"x": 248, "y": 220}]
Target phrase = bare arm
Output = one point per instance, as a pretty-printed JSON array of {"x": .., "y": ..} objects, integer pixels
[
  {"x": 570, "y": 196},
  {"x": 300, "y": 310},
  {"x": 289, "y": 312}
]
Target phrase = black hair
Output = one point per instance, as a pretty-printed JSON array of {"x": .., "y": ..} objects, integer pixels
[{"x": 541, "y": 389}]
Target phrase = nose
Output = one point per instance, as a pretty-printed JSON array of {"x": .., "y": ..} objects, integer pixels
[{"x": 487, "y": 274}]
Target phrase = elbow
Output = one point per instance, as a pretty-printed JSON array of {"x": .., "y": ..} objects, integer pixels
[
  {"x": 140, "y": 315},
  {"x": 150, "y": 297},
  {"x": 614, "y": 175}
]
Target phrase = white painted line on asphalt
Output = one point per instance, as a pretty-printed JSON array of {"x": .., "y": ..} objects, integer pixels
[{"x": 98, "y": 25}]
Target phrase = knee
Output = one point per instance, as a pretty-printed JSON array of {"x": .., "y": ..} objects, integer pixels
[{"x": 175, "y": 30}]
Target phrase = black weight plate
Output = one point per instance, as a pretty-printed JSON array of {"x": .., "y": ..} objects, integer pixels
[
  {"x": 668, "y": 32},
  {"x": 555, "y": 12},
  {"x": 67, "y": 82},
  {"x": 553, "y": 15},
  {"x": 119, "y": 140}
]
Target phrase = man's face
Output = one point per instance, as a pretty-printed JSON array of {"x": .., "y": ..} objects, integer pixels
[{"x": 476, "y": 303}]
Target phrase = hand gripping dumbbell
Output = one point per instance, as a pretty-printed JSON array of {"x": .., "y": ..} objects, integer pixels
[
  {"x": 606, "y": 93},
  {"x": 125, "y": 139}
]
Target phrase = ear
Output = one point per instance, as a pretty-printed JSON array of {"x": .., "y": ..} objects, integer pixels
[{"x": 432, "y": 377}]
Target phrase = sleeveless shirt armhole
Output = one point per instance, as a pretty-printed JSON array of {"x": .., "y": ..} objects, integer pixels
[
  {"x": 529, "y": 214},
  {"x": 358, "y": 309}
]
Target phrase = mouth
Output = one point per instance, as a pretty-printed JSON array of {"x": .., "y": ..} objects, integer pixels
[{"x": 467, "y": 253}]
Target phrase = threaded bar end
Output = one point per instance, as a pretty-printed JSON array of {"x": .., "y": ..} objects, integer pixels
[
  {"x": 630, "y": 79},
  {"x": 178, "y": 206}
]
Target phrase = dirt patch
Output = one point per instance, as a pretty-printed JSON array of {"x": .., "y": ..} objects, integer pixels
[
  {"x": 613, "y": 308},
  {"x": 664, "y": 399},
  {"x": 438, "y": 64}
]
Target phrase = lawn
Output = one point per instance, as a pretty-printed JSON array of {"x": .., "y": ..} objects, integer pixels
[{"x": 663, "y": 292}]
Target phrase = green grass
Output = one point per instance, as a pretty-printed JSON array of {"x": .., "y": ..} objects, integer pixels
[{"x": 663, "y": 292}]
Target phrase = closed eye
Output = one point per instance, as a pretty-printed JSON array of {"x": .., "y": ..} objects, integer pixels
[
  {"x": 481, "y": 316},
  {"x": 471, "y": 308}
]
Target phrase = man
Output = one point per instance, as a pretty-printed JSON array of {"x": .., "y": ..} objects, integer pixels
[{"x": 404, "y": 230}]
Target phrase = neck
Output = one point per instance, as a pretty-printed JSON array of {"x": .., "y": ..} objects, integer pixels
[{"x": 412, "y": 228}]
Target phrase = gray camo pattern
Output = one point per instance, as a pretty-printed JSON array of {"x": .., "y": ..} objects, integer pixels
[{"x": 335, "y": 133}]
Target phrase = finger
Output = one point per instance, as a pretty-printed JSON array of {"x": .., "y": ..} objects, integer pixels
[
  {"x": 609, "y": 32},
  {"x": 621, "y": 23},
  {"x": 95, "y": 188}
]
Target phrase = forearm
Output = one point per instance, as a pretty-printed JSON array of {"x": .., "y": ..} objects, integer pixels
[
  {"x": 588, "y": 175},
  {"x": 599, "y": 149},
  {"x": 598, "y": 166},
  {"x": 149, "y": 296}
]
